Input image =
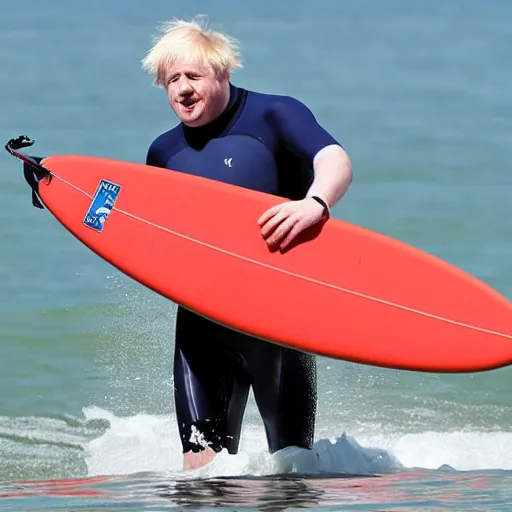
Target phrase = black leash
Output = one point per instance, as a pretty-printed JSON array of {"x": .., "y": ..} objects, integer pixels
[{"x": 32, "y": 170}]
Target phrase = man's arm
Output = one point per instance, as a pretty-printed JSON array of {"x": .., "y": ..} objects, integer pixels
[
  {"x": 152, "y": 156},
  {"x": 299, "y": 130},
  {"x": 333, "y": 174}
]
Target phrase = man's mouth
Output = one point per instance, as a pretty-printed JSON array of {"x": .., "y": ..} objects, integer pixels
[{"x": 188, "y": 102}]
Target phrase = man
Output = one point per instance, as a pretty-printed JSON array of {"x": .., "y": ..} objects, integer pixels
[{"x": 264, "y": 142}]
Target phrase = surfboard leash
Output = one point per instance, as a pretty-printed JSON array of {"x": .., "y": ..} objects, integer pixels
[{"x": 33, "y": 171}]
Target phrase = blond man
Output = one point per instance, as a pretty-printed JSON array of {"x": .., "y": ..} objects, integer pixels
[{"x": 264, "y": 142}]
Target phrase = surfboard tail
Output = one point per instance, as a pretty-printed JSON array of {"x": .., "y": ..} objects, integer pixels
[{"x": 33, "y": 171}]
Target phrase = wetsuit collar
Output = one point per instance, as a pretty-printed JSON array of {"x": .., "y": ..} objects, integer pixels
[{"x": 198, "y": 137}]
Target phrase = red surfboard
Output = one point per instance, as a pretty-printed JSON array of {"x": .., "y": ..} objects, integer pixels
[{"x": 341, "y": 291}]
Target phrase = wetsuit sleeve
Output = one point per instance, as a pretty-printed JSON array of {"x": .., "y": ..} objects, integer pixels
[
  {"x": 164, "y": 147},
  {"x": 298, "y": 128},
  {"x": 152, "y": 156}
]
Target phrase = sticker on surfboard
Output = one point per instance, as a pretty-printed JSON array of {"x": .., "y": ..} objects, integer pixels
[{"x": 102, "y": 204}]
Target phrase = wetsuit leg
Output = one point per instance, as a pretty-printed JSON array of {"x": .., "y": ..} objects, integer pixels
[
  {"x": 284, "y": 385},
  {"x": 211, "y": 385}
]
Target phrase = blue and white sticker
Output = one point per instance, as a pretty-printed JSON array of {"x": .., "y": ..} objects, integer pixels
[{"x": 102, "y": 204}]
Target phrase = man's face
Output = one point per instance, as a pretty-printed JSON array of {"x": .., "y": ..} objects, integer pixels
[{"x": 195, "y": 94}]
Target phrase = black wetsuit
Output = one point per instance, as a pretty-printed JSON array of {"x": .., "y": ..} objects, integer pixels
[{"x": 267, "y": 143}]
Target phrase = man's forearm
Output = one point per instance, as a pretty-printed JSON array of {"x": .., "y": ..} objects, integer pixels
[{"x": 333, "y": 174}]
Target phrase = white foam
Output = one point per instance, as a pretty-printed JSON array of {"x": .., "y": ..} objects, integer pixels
[
  {"x": 461, "y": 450},
  {"x": 132, "y": 444},
  {"x": 143, "y": 443}
]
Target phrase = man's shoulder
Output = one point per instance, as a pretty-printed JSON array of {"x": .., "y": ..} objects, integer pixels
[
  {"x": 168, "y": 137},
  {"x": 273, "y": 100},
  {"x": 164, "y": 145},
  {"x": 276, "y": 107}
]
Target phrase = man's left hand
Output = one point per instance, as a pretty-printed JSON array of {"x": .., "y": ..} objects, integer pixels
[{"x": 283, "y": 222}]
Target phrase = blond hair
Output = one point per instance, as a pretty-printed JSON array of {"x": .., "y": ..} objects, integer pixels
[{"x": 195, "y": 41}]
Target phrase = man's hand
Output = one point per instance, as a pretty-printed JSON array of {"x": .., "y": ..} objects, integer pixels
[{"x": 283, "y": 222}]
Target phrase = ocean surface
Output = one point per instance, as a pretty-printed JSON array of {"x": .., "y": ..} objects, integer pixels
[{"x": 419, "y": 95}]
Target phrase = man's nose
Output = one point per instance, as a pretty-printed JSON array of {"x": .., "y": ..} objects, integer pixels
[{"x": 185, "y": 87}]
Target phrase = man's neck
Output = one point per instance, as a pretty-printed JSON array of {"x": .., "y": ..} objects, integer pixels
[{"x": 199, "y": 136}]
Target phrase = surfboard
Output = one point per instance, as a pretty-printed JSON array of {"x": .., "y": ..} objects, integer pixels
[{"x": 341, "y": 291}]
